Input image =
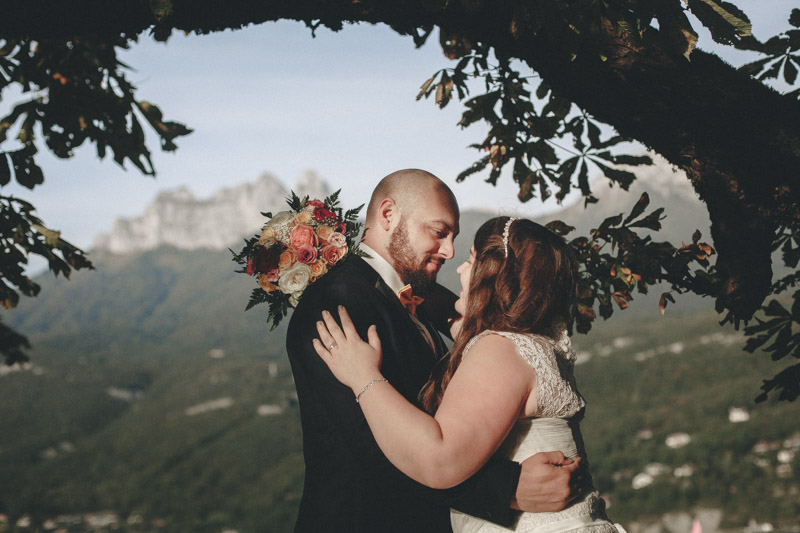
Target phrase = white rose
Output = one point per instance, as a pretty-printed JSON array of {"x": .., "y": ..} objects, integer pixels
[
  {"x": 295, "y": 278},
  {"x": 280, "y": 224},
  {"x": 282, "y": 217},
  {"x": 337, "y": 239}
]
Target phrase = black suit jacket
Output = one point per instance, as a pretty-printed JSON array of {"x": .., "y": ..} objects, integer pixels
[{"x": 349, "y": 484}]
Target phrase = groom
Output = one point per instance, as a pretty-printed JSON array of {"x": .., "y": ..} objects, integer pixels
[{"x": 411, "y": 222}]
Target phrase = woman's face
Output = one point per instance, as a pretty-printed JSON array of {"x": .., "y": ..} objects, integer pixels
[{"x": 465, "y": 274}]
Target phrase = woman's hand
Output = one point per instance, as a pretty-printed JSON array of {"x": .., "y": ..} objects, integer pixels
[{"x": 352, "y": 361}]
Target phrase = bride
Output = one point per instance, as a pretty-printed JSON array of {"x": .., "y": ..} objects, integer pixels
[{"x": 507, "y": 386}]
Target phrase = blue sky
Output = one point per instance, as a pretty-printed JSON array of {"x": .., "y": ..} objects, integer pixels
[{"x": 271, "y": 98}]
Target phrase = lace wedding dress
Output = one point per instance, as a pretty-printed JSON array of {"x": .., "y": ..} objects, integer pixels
[{"x": 554, "y": 427}]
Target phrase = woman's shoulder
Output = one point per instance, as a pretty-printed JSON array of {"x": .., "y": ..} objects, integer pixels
[
  {"x": 506, "y": 339},
  {"x": 492, "y": 342},
  {"x": 490, "y": 339}
]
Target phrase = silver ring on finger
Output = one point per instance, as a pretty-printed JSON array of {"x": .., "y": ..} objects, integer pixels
[{"x": 332, "y": 346}]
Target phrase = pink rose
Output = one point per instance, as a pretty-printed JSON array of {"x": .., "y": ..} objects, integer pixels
[
  {"x": 307, "y": 254},
  {"x": 332, "y": 254},
  {"x": 337, "y": 239},
  {"x": 302, "y": 235}
]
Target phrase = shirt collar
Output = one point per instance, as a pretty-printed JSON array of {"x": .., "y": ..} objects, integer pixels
[{"x": 383, "y": 268}]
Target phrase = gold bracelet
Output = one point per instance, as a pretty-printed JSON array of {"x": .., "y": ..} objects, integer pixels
[{"x": 368, "y": 385}]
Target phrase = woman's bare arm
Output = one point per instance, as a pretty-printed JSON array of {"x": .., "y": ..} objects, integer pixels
[{"x": 483, "y": 400}]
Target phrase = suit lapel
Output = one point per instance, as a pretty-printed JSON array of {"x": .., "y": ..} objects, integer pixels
[{"x": 416, "y": 351}]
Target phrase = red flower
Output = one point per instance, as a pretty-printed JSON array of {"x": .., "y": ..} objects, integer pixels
[
  {"x": 322, "y": 213},
  {"x": 302, "y": 235},
  {"x": 332, "y": 254},
  {"x": 251, "y": 266},
  {"x": 266, "y": 259},
  {"x": 315, "y": 203}
]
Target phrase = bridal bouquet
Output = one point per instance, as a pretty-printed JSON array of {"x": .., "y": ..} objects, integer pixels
[{"x": 295, "y": 248}]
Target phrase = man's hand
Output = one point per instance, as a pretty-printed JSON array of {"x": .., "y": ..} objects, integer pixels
[{"x": 548, "y": 482}]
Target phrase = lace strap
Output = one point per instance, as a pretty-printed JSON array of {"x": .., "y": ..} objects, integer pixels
[{"x": 522, "y": 342}]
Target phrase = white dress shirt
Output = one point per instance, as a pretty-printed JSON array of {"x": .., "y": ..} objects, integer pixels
[{"x": 392, "y": 279}]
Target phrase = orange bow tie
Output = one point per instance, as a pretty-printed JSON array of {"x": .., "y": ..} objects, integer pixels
[{"x": 408, "y": 300}]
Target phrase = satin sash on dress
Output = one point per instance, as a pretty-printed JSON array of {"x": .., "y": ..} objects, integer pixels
[
  {"x": 530, "y": 436},
  {"x": 533, "y": 435}
]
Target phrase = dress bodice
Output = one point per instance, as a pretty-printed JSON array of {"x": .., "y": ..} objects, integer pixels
[{"x": 554, "y": 427}]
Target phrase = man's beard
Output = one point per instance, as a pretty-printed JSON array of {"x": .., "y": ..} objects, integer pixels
[{"x": 408, "y": 267}]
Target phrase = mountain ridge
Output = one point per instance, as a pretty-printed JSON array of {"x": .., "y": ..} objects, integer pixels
[{"x": 177, "y": 218}]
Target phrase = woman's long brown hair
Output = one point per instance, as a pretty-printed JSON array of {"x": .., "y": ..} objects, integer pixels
[{"x": 529, "y": 291}]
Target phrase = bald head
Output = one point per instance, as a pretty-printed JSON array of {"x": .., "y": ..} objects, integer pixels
[{"x": 406, "y": 187}]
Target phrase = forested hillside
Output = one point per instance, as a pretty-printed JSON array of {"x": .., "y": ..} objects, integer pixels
[{"x": 175, "y": 411}]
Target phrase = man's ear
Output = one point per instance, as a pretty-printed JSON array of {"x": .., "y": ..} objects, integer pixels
[{"x": 388, "y": 214}]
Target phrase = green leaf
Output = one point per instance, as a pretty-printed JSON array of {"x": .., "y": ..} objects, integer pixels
[
  {"x": 677, "y": 33},
  {"x": 789, "y": 71},
  {"x": 622, "y": 177},
  {"x": 161, "y": 8},
  {"x": 609, "y": 222},
  {"x": 542, "y": 90},
  {"x": 476, "y": 167},
  {"x": 424, "y": 89},
  {"x": 559, "y": 107},
  {"x": 51, "y": 237},
  {"x": 594, "y": 133},
  {"x": 5, "y": 170},
  {"x": 774, "y": 308},
  {"x": 772, "y": 72},
  {"x": 26, "y": 171},
  {"x": 638, "y": 209},
  {"x": 631, "y": 160},
  {"x": 723, "y": 19},
  {"x": 794, "y": 18},
  {"x": 651, "y": 221},
  {"x": 557, "y": 226},
  {"x": 755, "y": 67},
  {"x": 583, "y": 179}
]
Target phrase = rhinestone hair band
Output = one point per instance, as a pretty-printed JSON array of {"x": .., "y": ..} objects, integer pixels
[{"x": 506, "y": 230}]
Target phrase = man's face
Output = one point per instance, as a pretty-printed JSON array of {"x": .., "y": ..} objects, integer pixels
[{"x": 423, "y": 240}]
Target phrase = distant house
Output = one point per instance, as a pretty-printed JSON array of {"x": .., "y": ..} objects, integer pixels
[
  {"x": 677, "y": 440},
  {"x": 738, "y": 414}
]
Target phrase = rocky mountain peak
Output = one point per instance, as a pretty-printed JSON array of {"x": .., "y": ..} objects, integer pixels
[{"x": 177, "y": 218}]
